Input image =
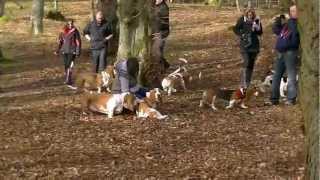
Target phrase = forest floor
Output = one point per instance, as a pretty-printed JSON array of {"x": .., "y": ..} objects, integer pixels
[{"x": 43, "y": 134}]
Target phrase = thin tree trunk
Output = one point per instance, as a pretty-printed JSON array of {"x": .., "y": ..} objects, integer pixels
[
  {"x": 18, "y": 4},
  {"x": 55, "y": 6},
  {"x": 2, "y": 5},
  {"x": 238, "y": 6},
  {"x": 219, "y": 5},
  {"x": 249, "y": 4},
  {"x": 37, "y": 16},
  {"x": 1, "y": 54},
  {"x": 309, "y": 83}
]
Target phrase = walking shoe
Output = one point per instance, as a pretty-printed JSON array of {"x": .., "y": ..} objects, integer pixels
[
  {"x": 72, "y": 87},
  {"x": 271, "y": 103},
  {"x": 290, "y": 103}
]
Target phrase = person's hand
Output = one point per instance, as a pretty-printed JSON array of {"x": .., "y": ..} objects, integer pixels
[
  {"x": 256, "y": 26},
  {"x": 56, "y": 53},
  {"x": 87, "y": 37}
]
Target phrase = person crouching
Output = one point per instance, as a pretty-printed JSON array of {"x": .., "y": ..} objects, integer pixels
[{"x": 126, "y": 76}]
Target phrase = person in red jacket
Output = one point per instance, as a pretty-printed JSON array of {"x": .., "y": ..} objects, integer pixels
[{"x": 69, "y": 46}]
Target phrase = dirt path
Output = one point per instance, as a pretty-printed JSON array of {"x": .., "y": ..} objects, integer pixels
[{"x": 43, "y": 133}]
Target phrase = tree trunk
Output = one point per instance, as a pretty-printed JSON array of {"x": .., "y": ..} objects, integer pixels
[
  {"x": 18, "y": 4},
  {"x": 1, "y": 54},
  {"x": 55, "y": 6},
  {"x": 135, "y": 30},
  {"x": 285, "y": 4},
  {"x": 37, "y": 16},
  {"x": 238, "y": 6},
  {"x": 2, "y": 5},
  {"x": 219, "y": 5},
  {"x": 309, "y": 82}
]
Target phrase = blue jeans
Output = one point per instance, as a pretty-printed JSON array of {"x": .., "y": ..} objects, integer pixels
[
  {"x": 286, "y": 61},
  {"x": 99, "y": 59}
]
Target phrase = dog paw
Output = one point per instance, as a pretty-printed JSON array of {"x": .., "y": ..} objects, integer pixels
[
  {"x": 244, "y": 106},
  {"x": 214, "y": 108}
]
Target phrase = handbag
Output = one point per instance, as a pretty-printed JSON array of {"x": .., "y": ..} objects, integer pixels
[{"x": 246, "y": 40}]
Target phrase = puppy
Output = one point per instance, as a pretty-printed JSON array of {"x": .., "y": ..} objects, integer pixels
[
  {"x": 109, "y": 104},
  {"x": 170, "y": 82},
  {"x": 179, "y": 76},
  {"x": 146, "y": 111},
  {"x": 238, "y": 96},
  {"x": 95, "y": 81}
]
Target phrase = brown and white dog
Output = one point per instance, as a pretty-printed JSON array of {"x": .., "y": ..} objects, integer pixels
[
  {"x": 170, "y": 82},
  {"x": 146, "y": 107},
  {"x": 146, "y": 111},
  {"x": 109, "y": 104},
  {"x": 239, "y": 96},
  {"x": 95, "y": 81},
  {"x": 153, "y": 97}
]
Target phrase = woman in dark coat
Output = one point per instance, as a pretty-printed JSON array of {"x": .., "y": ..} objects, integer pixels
[
  {"x": 248, "y": 28},
  {"x": 69, "y": 46}
]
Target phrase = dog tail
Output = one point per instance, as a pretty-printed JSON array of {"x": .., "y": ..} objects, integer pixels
[
  {"x": 183, "y": 60},
  {"x": 175, "y": 72}
]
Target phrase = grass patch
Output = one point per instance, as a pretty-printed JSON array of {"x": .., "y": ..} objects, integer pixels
[
  {"x": 5, "y": 18},
  {"x": 7, "y": 62}
]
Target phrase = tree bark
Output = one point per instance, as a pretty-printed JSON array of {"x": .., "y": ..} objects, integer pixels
[
  {"x": 1, "y": 54},
  {"x": 309, "y": 83},
  {"x": 37, "y": 16},
  {"x": 2, "y": 5},
  {"x": 135, "y": 32},
  {"x": 285, "y": 4}
]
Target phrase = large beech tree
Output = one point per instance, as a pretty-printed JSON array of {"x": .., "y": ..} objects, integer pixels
[{"x": 309, "y": 82}]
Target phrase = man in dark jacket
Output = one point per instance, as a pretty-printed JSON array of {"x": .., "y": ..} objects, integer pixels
[
  {"x": 161, "y": 27},
  {"x": 98, "y": 32},
  {"x": 248, "y": 28},
  {"x": 287, "y": 45}
]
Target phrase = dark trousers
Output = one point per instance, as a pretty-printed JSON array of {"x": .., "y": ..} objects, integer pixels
[
  {"x": 163, "y": 60},
  {"x": 99, "y": 58},
  {"x": 286, "y": 61},
  {"x": 68, "y": 59},
  {"x": 249, "y": 59}
]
